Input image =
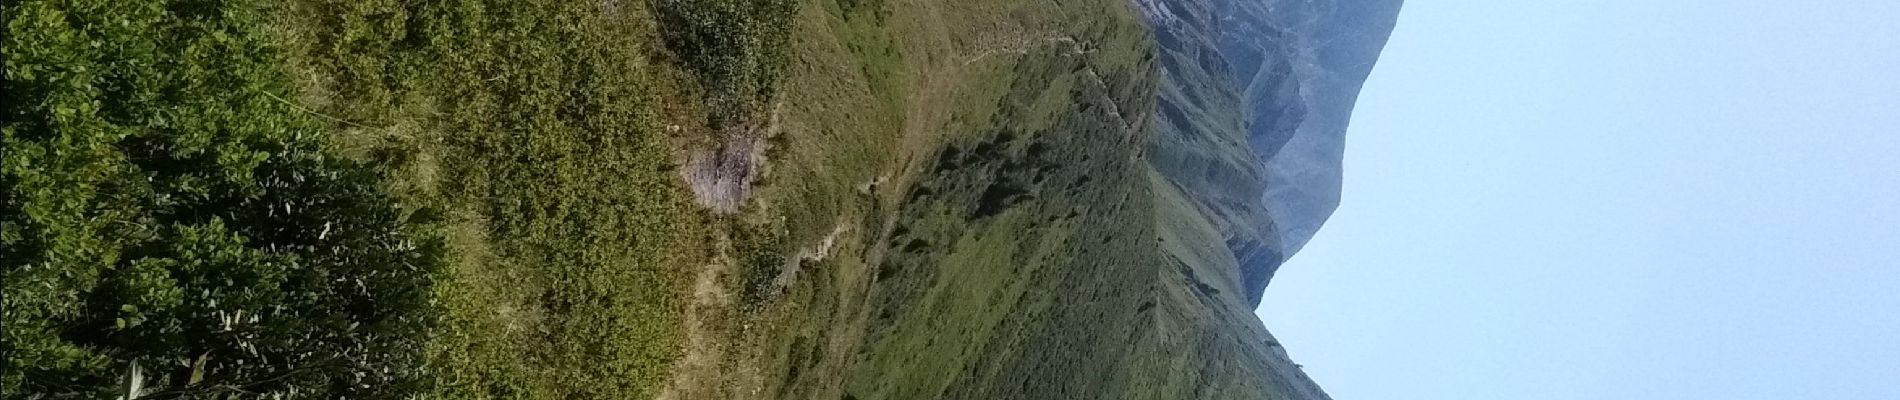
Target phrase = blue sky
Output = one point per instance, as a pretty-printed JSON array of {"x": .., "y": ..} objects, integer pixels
[{"x": 1614, "y": 200}]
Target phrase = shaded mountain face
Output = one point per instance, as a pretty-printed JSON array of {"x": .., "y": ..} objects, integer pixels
[{"x": 1256, "y": 99}]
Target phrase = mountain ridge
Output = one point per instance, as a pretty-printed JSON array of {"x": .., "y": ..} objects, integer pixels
[{"x": 1293, "y": 70}]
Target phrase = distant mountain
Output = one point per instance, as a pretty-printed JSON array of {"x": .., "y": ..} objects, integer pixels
[{"x": 1252, "y": 120}]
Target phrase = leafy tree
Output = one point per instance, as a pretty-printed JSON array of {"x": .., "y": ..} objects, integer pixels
[{"x": 164, "y": 209}]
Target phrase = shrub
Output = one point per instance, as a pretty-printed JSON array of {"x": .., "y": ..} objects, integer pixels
[
  {"x": 166, "y": 210},
  {"x": 735, "y": 47}
]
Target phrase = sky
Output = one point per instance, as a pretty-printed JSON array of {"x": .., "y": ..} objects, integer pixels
[{"x": 1614, "y": 199}]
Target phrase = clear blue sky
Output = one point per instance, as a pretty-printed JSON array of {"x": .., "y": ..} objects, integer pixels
[{"x": 1552, "y": 200}]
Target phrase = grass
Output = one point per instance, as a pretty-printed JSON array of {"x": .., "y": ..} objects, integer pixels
[
  {"x": 1021, "y": 240},
  {"x": 1004, "y": 244},
  {"x": 1007, "y": 244},
  {"x": 1202, "y": 144}
]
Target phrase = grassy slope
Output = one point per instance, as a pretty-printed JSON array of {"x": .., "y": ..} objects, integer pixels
[
  {"x": 972, "y": 172},
  {"x": 1205, "y": 334},
  {"x": 994, "y": 229},
  {"x": 1004, "y": 235},
  {"x": 1015, "y": 251},
  {"x": 1209, "y": 183},
  {"x": 1037, "y": 101}
]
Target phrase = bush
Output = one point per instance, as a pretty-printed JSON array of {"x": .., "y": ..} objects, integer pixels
[
  {"x": 735, "y": 47},
  {"x": 165, "y": 210}
]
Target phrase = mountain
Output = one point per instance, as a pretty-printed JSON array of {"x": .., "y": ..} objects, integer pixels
[
  {"x": 672, "y": 199},
  {"x": 1080, "y": 201},
  {"x": 1255, "y": 107}
]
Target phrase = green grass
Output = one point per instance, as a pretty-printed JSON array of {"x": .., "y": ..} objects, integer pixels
[
  {"x": 1021, "y": 242},
  {"x": 1022, "y": 251},
  {"x": 1006, "y": 244}
]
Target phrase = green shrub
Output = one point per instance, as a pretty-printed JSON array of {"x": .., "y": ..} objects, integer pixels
[
  {"x": 164, "y": 207},
  {"x": 735, "y": 47},
  {"x": 761, "y": 253}
]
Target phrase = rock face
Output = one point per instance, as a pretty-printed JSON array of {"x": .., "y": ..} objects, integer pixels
[{"x": 1256, "y": 99}]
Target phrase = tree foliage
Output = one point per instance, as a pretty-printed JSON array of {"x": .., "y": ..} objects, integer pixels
[{"x": 164, "y": 207}]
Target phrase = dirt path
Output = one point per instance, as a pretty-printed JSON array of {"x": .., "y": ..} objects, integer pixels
[
  {"x": 703, "y": 351},
  {"x": 788, "y": 274}
]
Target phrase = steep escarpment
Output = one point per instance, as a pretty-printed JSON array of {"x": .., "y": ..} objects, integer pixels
[{"x": 1256, "y": 99}]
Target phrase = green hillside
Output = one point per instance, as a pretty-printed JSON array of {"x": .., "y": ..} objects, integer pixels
[{"x": 675, "y": 199}]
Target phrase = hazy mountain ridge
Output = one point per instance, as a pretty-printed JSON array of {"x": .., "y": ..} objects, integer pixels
[
  {"x": 1246, "y": 148},
  {"x": 1282, "y": 76}
]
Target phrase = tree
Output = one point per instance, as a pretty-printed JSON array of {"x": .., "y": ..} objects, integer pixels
[{"x": 166, "y": 211}]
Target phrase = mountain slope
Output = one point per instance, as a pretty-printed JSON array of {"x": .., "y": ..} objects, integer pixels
[
  {"x": 1071, "y": 206},
  {"x": 1024, "y": 200},
  {"x": 673, "y": 199},
  {"x": 1255, "y": 103}
]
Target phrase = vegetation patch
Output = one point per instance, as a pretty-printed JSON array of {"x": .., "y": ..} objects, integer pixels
[
  {"x": 736, "y": 48},
  {"x": 173, "y": 227},
  {"x": 363, "y": 199},
  {"x": 541, "y": 127}
]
